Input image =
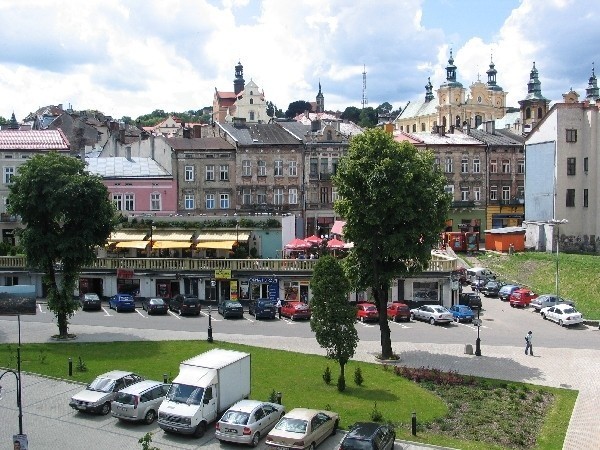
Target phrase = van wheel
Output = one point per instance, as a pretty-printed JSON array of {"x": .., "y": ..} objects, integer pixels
[
  {"x": 150, "y": 417},
  {"x": 105, "y": 409},
  {"x": 200, "y": 430},
  {"x": 255, "y": 439}
]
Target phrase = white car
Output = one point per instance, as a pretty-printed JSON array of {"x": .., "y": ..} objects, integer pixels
[
  {"x": 563, "y": 314},
  {"x": 247, "y": 421},
  {"x": 432, "y": 314},
  {"x": 99, "y": 394},
  {"x": 546, "y": 300}
]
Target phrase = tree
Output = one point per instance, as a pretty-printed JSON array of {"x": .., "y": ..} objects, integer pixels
[
  {"x": 368, "y": 118},
  {"x": 67, "y": 214},
  {"x": 333, "y": 316},
  {"x": 351, "y": 113},
  {"x": 3, "y": 121},
  {"x": 384, "y": 108},
  {"x": 392, "y": 198},
  {"x": 297, "y": 107}
]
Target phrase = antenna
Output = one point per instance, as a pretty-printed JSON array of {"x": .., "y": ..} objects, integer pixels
[{"x": 365, "y": 102}]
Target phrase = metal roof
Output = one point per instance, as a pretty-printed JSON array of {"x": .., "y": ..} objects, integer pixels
[
  {"x": 419, "y": 109},
  {"x": 259, "y": 134},
  {"x": 117, "y": 166},
  {"x": 495, "y": 139},
  {"x": 205, "y": 143}
]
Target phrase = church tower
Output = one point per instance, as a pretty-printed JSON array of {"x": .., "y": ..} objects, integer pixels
[
  {"x": 535, "y": 106},
  {"x": 238, "y": 82},
  {"x": 591, "y": 93},
  {"x": 451, "y": 94},
  {"x": 320, "y": 101}
]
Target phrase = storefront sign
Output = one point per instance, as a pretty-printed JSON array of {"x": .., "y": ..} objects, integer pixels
[
  {"x": 125, "y": 273},
  {"x": 263, "y": 280},
  {"x": 233, "y": 290},
  {"x": 223, "y": 274}
]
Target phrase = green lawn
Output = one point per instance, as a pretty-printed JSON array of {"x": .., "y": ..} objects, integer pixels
[
  {"x": 299, "y": 378},
  {"x": 578, "y": 276}
]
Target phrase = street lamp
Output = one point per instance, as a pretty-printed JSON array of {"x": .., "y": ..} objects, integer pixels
[
  {"x": 17, "y": 375},
  {"x": 477, "y": 323},
  {"x": 151, "y": 230},
  {"x": 213, "y": 283},
  {"x": 557, "y": 223}
]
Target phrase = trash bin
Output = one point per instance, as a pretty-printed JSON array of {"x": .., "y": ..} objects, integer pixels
[
  {"x": 468, "y": 349},
  {"x": 511, "y": 249}
]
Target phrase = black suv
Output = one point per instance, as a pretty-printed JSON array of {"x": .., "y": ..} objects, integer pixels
[
  {"x": 470, "y": 299},
  {"x": 185, "y": 304},
  {"x": 262, "y": 308},
  {"x": 491, "y": 288}
]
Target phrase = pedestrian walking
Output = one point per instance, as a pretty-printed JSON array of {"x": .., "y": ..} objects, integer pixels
[
  {"x": 529, "y": 343},
  {"x": 278, "y": 307}
]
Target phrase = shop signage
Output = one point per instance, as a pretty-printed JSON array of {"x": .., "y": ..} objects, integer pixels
[
  {"x": 124, "y": 273},
  {"x": 223, "y": 274},
  {"x": 263, "y": 280}
]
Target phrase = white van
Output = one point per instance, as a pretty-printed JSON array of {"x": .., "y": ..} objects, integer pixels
[{"x": 475, "y": 273}]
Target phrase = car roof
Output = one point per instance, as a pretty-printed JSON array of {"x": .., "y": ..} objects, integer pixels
[
  {"x": 91, "y": 294},
  {"x": 246, "y": 405},
  {"x": 156, "y": 298},
  {"x": 362, "y": 430},
  {"x": 115, "y": 374},
  {"x": 141, "y": 386},
  {"x": 305, "y": 413}
]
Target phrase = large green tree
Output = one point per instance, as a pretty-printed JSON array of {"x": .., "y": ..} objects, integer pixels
[
  {"x": 297, "y": 107},
  {"x": 333, "y": 317},
  {"x": 392, "y": 198},
  {"x": 66, "y": 213}
]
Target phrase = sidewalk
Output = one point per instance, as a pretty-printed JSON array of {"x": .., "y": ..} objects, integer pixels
[{"x": 556, "y": 367}]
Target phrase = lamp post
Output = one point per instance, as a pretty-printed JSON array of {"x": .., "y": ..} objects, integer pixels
[
  {"x": 17, "y": 375},
  {"x": 151, "y": 230},
  {"x": 477, "y": 323},
  {"x": 210, "y": 332},
  {"x": 557, "y": 223}
]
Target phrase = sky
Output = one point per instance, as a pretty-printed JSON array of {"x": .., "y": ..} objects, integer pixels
[{"x": 131, "y": 57}]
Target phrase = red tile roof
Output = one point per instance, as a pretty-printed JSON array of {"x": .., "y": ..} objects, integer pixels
[{"x": 33, "y": 140}]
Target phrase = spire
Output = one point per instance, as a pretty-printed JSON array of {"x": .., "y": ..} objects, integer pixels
[
  {"x": 320, "y": 100},
  {"x": 592, "y": 92},
  {"x": 451, "y": 73},
  {"x": 428, "y": 90},
  {"x": 13, "y": 124},
  {"x": 534, "y": 87},
  {"x": 238, "y": 82},
  {"x": 491, "y": 73}
]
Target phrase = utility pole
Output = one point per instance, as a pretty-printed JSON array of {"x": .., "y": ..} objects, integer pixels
[{"x": 364, "y": 102}]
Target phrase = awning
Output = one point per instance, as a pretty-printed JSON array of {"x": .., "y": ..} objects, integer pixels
[
  {"x": 338, "y": 227},
  {"x": 171, "y": 236},
  {"x": 241, "y": 236},
  {"x": 132, "y": 244},
  {"x": 119, "y": 236},
  {"x": 170, "y": 244},
  {"x": 216, "y": 244}
]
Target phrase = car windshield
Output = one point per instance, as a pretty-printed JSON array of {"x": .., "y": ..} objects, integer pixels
[
  {"x": 370, "y": 308},
  {"x": 569, "y": 310},
  {"x": 102, "y": 384},
  {"x": 292, "y": 425},
  {"x": 439, "y": 309},
  {"x": 157, "y": 301},
  {"x": 235, "y": 417},
  {"x": 184, "y": 393}
]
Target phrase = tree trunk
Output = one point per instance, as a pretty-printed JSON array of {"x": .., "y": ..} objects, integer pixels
[
  {"x": 63, "y": 325},
  {"x": 381, "y": 298},
  {"x": 342, "y": 373}
]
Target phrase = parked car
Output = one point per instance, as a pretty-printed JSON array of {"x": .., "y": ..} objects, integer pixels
[
  {"x": 491, "y": 288},
  {"x": 121, "y": 302},
  {"x": 369, "y": 436},
  {"x": 563, "y": 314},
  {"x": 478, "y": 273},
  {"x": 506, "y": 290},
  {"x": 90, "y": 301},
  {"x": 432, "y": 314},
  {"x": 296, "y": 310},
  {"x": 543, "y": 301},
  {"x": 367, "y": 312},
  {"x": 302, "y": 428},
  {"x": 140, "y": 401},
  {"x": 462, "y": 313},
  {"x": 230, "y": 308},
  {"x": 247, "y": 421},
  {"x": 262, "y": 308},
  {"x": 521, "y": 298},
  {"x": 96, "y": 397},
  {"x": 479, "y": 283},
  {"x": 155, "y": 305},
  {"x": 185, "y": 304},
  {"x": 460, "y": 274},
  {"x": 398, "y": 311},
  {"x": 470, "y": 299}
]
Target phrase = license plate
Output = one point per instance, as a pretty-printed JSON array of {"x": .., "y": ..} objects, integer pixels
[{"x": 230, "y": 430}]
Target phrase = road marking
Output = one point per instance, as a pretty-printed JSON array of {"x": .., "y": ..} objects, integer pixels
[
  {"x": 106, "y": 313},
  {"x": 40, "y": 307},
  {"x": 249, "y": 320},
  {"x": 174, "y": 315},
  {"x": 138, "y": 311}
]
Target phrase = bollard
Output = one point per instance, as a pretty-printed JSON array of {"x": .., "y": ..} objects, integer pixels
[
  {"x": 414, "y": 424},
  {"x": 278, "y": 397},
  {"x": 70, "y": 367},
  {"x": 165, "y": 378}
]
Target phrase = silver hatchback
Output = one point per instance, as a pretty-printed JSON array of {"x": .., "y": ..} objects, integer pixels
[
  {"x": 139, "y": 402},
  {"x": 247, "y": 421}
]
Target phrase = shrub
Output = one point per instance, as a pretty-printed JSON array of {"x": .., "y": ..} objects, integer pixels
[
  {"x": 327, "y": 375},
  {"x": 81, "y": 366},
  {"x": 358, "y": 377},
  {"x": 376, "y": 415}
]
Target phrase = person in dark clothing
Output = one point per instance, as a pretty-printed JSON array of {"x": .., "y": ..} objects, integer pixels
[{"x": 529, "y": 343}]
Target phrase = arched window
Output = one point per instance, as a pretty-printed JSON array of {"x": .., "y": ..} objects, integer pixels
[
  {"x": 478, "y": 120},
  {"x": 329, "y": 135},
  {"x": 539, "y": 116},
  {"x": 422, "y": 126},
  {"x": 528, "y": 113},
  {"x": 414, "y": 127},
  {"x": 252, "y": 101},
  {"x": 444, "y": 121},
  {"x": 457, "y": 122}
]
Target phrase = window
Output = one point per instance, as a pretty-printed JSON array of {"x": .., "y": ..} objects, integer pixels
[
  {"x": 251, "y": 118},
  {"x": 9, "y": 173},
  {"x": 571, "y": 135},
  {"x": 118, "y": 201},
  {"x": 493, "y": 166},
  {"x": 505, "y": 193},
  {"x": 189, "y": 201},
  {"x": 585, "y": 198},
  {"x": 521, "y": 166},
  {"x": 252, "y": 101},
  {"x": 314, "y": 167},
  {"x": 210, "y": 172},
  {"x": 224, "y": 201},
  {"x": 494, "y": 193},
  {"x": 586, "y": 164},
  {"x": 414, "y": 127},
  {"x": 261, "y": 196},
  {"x": 324, "y": 195},
  {"x": 571, "y": 164},
  {"x": 155, "y": 203},
  {"x": 224, "y": 172},
  {"x": 247, "y": 196},
  {"x": 477, "y": 194},
  {"x": 464, "y": 165},
  {"x": 209, "y": 201},
  {"x": 293, "y": 168},
  {"x": 528, "y": 113},
  {"x": 464, "y": 193},
  {"x": 334, "y": 165},
  {"x": 129, "y": 202},
  {"x": 436, "y": 163},
  {"x": 329, "y": 135},
  {"x": 334, "y": 194},
  {"x": 521, "y": 191},
  {"x": 570, "y": 197},
  {"x": 449, "y": 189},
  {"x": 278, "y": 169},
  {"x": 505, "y": 166},
  {"x": 262, "y": 168},
  {"x": 293, "y": 196},
  {"x": 189, "y": 173},
  {"x": 422, "y": 127},
  {"x": 246, "y": 168},
  {"x": 278, "y": 196},
  {"x": 448, "y": 164},
  {"x": 476, "y": 165},
  {"x": 324, "y": 165}
]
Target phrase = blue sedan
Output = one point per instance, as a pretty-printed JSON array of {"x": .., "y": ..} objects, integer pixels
[
  {"x": 122, "y": 302},
  {"x": 462, "y": 313}
]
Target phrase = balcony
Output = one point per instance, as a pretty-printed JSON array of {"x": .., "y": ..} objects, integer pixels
[
  {"x": 463, "y": 204},
  {"x": 325, "y": 176},
  {"x": 5, "y": 217}
]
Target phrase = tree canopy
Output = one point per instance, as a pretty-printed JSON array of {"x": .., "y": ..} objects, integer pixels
[
  {"x": 67, "y": 214},
  {"x": 297, "y": 107},
  {"x": 351, "y": 113},
  {"x": 393, "y": 201}
]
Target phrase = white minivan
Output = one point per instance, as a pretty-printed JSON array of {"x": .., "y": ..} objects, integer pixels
[
  {"x": 139, "y": 401},
  {"x": 475, "y": 273}
]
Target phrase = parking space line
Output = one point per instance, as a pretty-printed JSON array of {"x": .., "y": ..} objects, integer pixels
[
  {"x": 106, "y": 313},
  {"x": 174, "y": 315},
  {"x": 138, "y": 311},
  {"x": 249, "y": 320}
]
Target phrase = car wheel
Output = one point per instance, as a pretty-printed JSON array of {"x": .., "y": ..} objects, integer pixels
[
  {"x": 544, "y": 316},
  {"x": 362, "y": 319},
  {"x": 312, "y": 446},
  {"x": 255, "y": 439},
  {"x": 200, "y": 430},
  {"x": 560, "y": 323},
  {"x": 117, "y": 308},
  {"x": 412, "y": 316},
  {"x": 335, "y": 427},
  {"x": 179, "y": 311},
  {"x": 293, "y": 318},
  {"x": 150, "y": 417},
  {"x": 432, "y": 321},
  {"x": 105, "y": 409},
  {"x": 456, "y": 320}
]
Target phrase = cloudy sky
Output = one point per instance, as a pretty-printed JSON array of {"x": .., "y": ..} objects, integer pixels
[{"x": 130, "y": 57}]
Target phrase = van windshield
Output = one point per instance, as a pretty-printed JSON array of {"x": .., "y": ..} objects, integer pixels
[{"x": 184, "y": 393}]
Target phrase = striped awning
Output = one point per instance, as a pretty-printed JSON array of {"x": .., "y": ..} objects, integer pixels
[
  {"x": 216, "y": 244},
  {"x": 172, "y": 236},
  {"x": 133, "y": 244},
  {"x": 118, "y": 236},
  {"x": 170, "y": 244},
  {"x": 229, "y": 236}
]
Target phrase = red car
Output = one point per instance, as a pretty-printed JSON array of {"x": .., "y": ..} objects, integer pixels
[
  {"x": 366, "y": 312},
  {"x": 398, "y": 311},
  {"x": 521, "y": 298},
  {"x": 295, "y": 310}
]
